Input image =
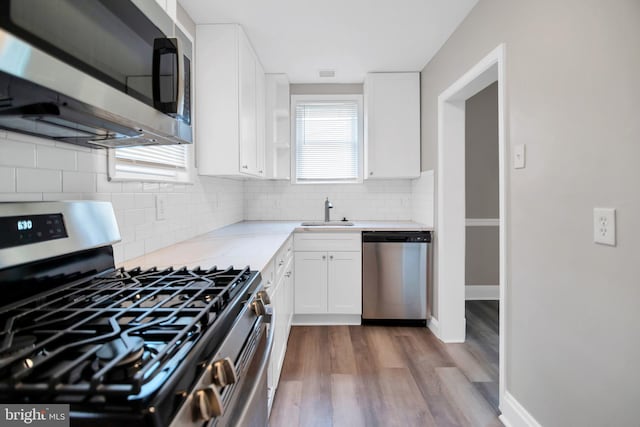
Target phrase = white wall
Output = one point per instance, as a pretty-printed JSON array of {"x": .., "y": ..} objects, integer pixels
[
  {"x": 573, "y": 97},
  {"x": 373, "y": 200},
  {"x": 34, "y": 169}
]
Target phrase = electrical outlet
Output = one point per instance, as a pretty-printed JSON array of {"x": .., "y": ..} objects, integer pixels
[
  {"x": 161, "y": 206},
  {"x": 604, "y": 226}
]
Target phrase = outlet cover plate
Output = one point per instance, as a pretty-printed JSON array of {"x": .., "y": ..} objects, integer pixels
[
  {"x": 519, "y": 156},
  {"x": 161, "y": 207},
  {"x": 604, "y": 226}
]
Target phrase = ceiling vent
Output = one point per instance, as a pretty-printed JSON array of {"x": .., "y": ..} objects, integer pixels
[{"x": 327, "y": 73}]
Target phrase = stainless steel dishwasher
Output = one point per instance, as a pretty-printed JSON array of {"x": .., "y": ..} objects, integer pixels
[{"x": 395, "y": 276}]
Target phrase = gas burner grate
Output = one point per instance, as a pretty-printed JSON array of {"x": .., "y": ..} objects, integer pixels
[{"x": 119, "y": 334}]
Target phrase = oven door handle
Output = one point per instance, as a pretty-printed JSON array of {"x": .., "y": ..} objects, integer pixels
[{"x": 255, "y": 387}]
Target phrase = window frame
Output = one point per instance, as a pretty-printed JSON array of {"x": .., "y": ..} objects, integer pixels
[{"x": 358, "y": 98}]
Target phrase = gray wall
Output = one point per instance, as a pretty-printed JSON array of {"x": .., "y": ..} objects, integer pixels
[
  {"x": 482, "y": 265},
  {"x": 481, "y": 153},
  {"x": 573, "y": 97}
]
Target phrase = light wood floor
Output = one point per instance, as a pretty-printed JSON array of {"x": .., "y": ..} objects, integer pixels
[{"x": 389, "y": 376}]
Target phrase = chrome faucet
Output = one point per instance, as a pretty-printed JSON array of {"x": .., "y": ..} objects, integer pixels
[{"x": 327, "y": 206}]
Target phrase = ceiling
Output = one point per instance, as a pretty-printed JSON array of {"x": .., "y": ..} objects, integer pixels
[{"x": 352, "y": 37}]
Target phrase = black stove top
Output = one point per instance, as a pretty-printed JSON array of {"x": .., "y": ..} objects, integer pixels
[
  {"x": 120, "y": 347},
  {"x": 119, "y": 337}
]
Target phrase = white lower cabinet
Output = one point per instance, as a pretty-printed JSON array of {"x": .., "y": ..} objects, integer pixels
[
  {"x": 328, "y": 279},
  {"x": 281, "y": 294},
  {"x": 328, "y": 282}
]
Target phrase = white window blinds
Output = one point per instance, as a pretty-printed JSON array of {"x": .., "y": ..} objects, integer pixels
[
  {"x": 327, "y": 141},
  {"x": 161, "y": 162}
]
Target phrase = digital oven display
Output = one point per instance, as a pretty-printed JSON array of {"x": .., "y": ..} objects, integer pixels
[{"x": 23, "y": 230}]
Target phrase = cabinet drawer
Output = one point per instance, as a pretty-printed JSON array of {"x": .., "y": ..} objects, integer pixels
[
  {"x": 320, "y": 241},
  {"x": 283, "y": 256}
]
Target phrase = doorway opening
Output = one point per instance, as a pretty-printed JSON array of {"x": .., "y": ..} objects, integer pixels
[{"x": 451, "y": 215}]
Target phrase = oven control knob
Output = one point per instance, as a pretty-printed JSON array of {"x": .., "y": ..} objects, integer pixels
[
  {"x": 208, "y": 403},
  {"x": 224, "y": 372},
  {"x": 259, "y": 306},
  {"x": 264, "y": 296}
]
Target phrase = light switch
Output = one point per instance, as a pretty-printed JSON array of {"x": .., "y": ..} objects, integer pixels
[{"x": 519, "y": 156}]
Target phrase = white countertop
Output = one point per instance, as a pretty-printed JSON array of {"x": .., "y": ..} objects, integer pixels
[{"x": 251, "y": 243}]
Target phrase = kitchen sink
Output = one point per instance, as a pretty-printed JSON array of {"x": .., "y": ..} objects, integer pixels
[{"x": 326, "y": 223}]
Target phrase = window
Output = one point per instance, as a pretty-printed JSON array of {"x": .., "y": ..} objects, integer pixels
[
  {"x": 165, "y": 163},
  {"x": 328, "y": 138}
]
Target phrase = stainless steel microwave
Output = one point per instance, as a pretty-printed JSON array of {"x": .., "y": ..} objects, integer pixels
[{"x": 99, "y": 73}]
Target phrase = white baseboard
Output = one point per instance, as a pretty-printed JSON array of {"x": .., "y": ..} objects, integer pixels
[
  {"x": 482, "y": 222},
  {"x": 434, "y": 326},
  {"x": 326, "y": 319},
  {"x": 514, "y": 414},
  {"x": 482, "y": 292}
]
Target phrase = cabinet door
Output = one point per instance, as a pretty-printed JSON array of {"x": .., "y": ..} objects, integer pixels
[
  {"x": 247, "y": 108},
  {"x": 392, "y": 125},
  {"x": 260, "y": 120},
  {"x": 288, "y": 298},
  {"x": 311, "y": 282},
  {"x": 274, "y": 366},
  {"x": 344, "y": 282}
]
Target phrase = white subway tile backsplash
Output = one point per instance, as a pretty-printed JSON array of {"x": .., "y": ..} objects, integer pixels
[
  {"x": 92, "y": 162},
  {"x": 40, "y": 169},
  {"x": 123, "y": 201},
  {"x": 20, "y": 197},
  {"x": 144, "y": 200},
  {"x": 152, "y": 187},
  {"x": 54, "y": 197},
  {"x": 372, "y": 200},
  {"x": 192, "y": 209},
  {"x": 134, "y": 217},
  {"x": 7, "y": 180},
  {"x": 106, "y": 186},
  {"x": 38, "y": 180},
  {"x": 14, "y": 153},
  {"x": 422, "y": 198},
  {"x": 132, "y": 187},
  {"x": 78, "y": 182},
  {"x": 104, "y": 197},
  {"x": 55, "y": 158},
  {"x": 133, "y": 249}
]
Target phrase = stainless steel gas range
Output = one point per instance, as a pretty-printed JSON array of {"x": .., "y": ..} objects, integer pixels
[{"x": 173, "y": 347}]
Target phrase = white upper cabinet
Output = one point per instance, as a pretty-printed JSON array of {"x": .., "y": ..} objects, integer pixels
[
  {"x": 392, "y": 125},
  {"x": 278, "y": 127},
  {"x": 169, "y": 6},
  {"x": 230, "y": 103}
]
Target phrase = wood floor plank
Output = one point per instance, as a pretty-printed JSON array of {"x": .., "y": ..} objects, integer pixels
[
  {"x": 341, "y": 351},
  {"x": 286, "y": 405},
  {"x": 472, "y": 368},
  {"x": 386, "y": 354},
  {"x": 423, "y": 371},
  {"x": 347, "y": 407},
  {"x": 403, "y": 404},
  {"x": 469, "y": 403},
  {"x": 382, "y": 376}
]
